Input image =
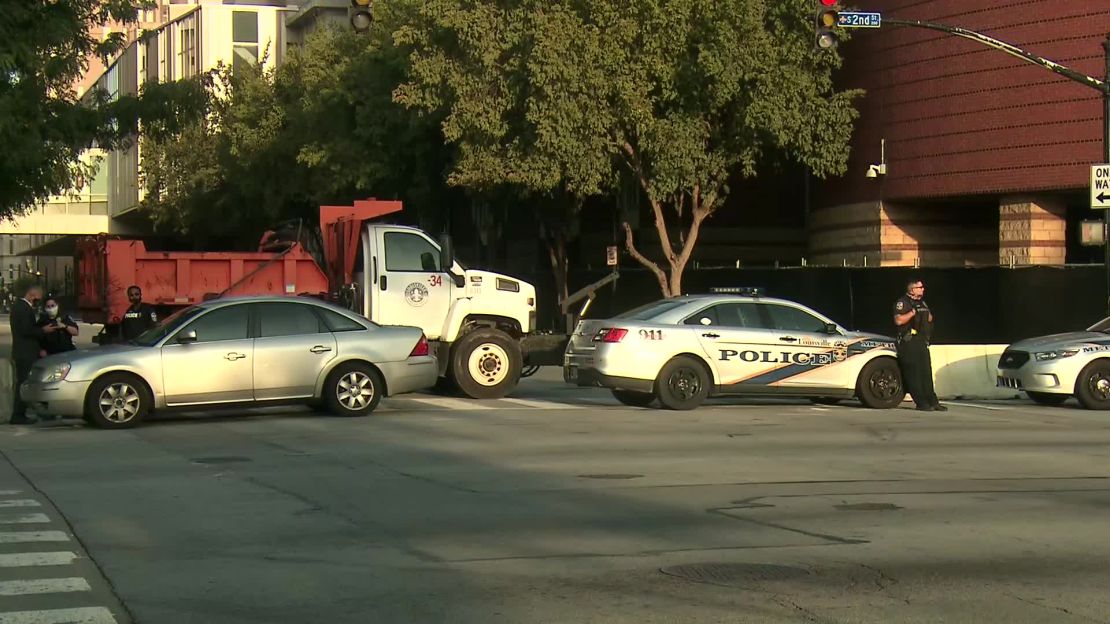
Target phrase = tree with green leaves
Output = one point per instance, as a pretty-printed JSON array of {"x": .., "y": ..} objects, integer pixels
[
  {"x": 44, "y": 127},
  {"x": 680, "y": 95},
  {"x": 277, "y": 143}
]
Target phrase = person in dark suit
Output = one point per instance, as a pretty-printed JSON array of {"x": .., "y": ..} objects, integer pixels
[{"x": 26, "y": 342}]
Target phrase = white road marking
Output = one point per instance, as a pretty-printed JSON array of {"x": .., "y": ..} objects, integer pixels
[
  {"x": 20, "y": 537},
  {"x": 10, "y": 492},
  {"x": 986, "y": 407},
  {"x": 454, "y": 404},
  {"x": 44, "y": 586},
  {"x": 20, "y": 502},
  {"x": 541, "y": 404},
  {"x": 81, "y": 615},
  {"x": 33, "y": 518},
  {"x": 25, "y": 560}
]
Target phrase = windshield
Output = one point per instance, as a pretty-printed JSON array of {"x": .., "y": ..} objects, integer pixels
[
  {"x": 650, "y": 310},
  {"x": 170, "y": 324},
  {"x": 1101, "y": 326}
]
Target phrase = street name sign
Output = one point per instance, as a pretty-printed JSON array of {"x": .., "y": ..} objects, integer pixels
[
  {"x": 856, "y": 19},
  {"x": 1100, "y": 187}
]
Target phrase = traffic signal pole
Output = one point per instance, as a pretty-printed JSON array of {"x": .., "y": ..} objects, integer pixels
[{"x": 1102, "y": 86}]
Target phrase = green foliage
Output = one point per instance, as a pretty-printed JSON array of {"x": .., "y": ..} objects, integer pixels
[
  {"x": 319, "y": 129},
  {"x": 44, "y": 49},
  {"x": 678, "y": 94}
]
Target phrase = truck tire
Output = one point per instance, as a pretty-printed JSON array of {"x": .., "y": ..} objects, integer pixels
[
  {"x": 117, "y": 401},
  {"x": 486, "y": 364}
]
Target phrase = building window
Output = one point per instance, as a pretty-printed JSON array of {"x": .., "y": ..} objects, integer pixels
[
  {"x": 244, "y": 39},
  {"x": 188, "y": 52}
]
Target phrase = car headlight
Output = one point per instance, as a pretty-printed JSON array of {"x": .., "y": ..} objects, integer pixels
[
  {"x": 1044, "y": 356},
  {"x": 57, "y": 373}
]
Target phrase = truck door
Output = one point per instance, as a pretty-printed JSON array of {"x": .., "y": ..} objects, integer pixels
[{"x": 409, "y": 288}]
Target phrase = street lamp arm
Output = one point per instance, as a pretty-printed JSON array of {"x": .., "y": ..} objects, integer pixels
[{"x": 1010, "y": 49}]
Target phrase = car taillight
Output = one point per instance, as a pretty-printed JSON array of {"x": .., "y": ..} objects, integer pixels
[
  {"x": 421, "y": 347},
  {"x": 611, "y": 334}
]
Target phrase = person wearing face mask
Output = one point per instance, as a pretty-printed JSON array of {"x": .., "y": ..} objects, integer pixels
[
  {"x": 27, "y": 337},
  {"x": 60, "y": 339},
  {"x": 138, "y": 318}
]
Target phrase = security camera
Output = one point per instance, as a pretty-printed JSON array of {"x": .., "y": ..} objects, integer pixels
[{"x": 875, "y": 171}]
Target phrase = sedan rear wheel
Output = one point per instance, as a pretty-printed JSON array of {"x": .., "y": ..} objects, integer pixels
[
  {"x": 682, "y": 384},
  {"x": 353, "y": 390}
]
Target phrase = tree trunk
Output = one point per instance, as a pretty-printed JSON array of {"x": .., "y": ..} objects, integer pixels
[
  {"x": 670, "y": 281},
  {"x": 556, "y": 243}
]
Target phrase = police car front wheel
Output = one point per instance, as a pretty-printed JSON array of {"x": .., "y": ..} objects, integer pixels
[
  {"x": 1092, "y": 387},
  {"x": 683, "y": 383},
  {"x": 880, "y": 384}
]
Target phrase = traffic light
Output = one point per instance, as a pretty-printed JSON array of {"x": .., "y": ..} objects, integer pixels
[
  {"x": 825, "y": 20},
  {"x": 359, "y": 14}
]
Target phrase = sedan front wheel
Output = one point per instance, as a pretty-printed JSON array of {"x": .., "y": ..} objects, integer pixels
[{"x": 117, "y": 401}]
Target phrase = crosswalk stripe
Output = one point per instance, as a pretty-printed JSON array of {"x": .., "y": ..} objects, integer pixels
[
  {"x": 20, "y": 502},
  {"x": 33, "y": 518},
  {"x": 44, "y": 586},
  {"x": 455, "y": 404},
  {"x": 20, "y": 537},
  {"x": 541, "y": 404},
  {"x": 80, "y": 615},
  {"x": 26, "y": 560}
]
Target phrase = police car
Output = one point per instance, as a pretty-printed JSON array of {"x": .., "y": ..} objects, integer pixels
[
  {"x": 732, "y": 342},
  {"x": 1050, "y": 369}
]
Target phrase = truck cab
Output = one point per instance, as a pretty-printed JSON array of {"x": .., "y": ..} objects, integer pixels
[{"x": 475, "y": 319}]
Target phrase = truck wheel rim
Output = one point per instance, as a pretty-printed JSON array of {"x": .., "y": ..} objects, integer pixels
[
  {"x": 355, "y": 390},
  {"x": 489, "y": 364},
  {"x": 119, "y": 402}
]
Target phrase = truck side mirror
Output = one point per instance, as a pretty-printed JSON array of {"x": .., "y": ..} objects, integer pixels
[{"x": 446, "y": 253}]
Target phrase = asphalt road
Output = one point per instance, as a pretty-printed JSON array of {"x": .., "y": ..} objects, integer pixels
[{"x": 559, "y": 505}]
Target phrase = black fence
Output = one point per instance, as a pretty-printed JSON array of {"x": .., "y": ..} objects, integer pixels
[{"x": 991, "y": 305}]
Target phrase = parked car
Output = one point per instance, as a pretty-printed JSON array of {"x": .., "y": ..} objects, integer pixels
[
  {"x": 1051, "y": 369},
  {"x": 683, "y": 350},
  {"x": 250, "y": 350}
]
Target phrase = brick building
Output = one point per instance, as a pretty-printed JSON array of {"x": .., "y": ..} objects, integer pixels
[{"x": 986, "y": 157}]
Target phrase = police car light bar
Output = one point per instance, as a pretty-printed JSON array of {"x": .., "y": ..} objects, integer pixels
[{"x": 749, "y": 291}]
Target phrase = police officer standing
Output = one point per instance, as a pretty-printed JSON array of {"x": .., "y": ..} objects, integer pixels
[
  {"x": 914, "y": 322},
  {"x": 139, "y": 316}
]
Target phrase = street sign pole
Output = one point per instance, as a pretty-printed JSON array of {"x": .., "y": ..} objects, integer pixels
[{"x": 1106, "y": 159}]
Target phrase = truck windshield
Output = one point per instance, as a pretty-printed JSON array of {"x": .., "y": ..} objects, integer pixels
[{"x": 170, "y": 324}]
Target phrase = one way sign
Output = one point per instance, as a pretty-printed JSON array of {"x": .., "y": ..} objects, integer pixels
[{"x": 1100, "y": 186}]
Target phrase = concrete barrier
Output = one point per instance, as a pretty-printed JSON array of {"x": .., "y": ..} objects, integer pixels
[{"x": 968, "y": 372}]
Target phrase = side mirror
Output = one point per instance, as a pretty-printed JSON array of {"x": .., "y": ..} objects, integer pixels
[
  {"x": 831, "y": 328},
  {"x": 446, "y": 253},
  {"x": 187, "y": 336}
]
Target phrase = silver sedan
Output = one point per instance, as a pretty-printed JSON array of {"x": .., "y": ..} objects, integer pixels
[{"x": 249, "y": 350}]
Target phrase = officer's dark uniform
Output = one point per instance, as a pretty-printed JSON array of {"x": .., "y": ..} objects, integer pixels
[
  {"x": 137, "y": 320},
  {"x": 58, "y": 341},
  {"x": 913, "y": 352}
]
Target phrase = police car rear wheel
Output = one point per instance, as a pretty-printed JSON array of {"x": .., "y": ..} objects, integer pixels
[
  {"x": 682, "y": 384},
  {"x": 1045, "y": 398},
  {"x": 633, "y": 398},
  {"x": 1092, "y": 387},
  {"x": 880, "y": 384}
]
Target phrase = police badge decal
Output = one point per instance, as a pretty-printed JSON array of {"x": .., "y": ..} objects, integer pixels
[{"x": 416, "y": 294}]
